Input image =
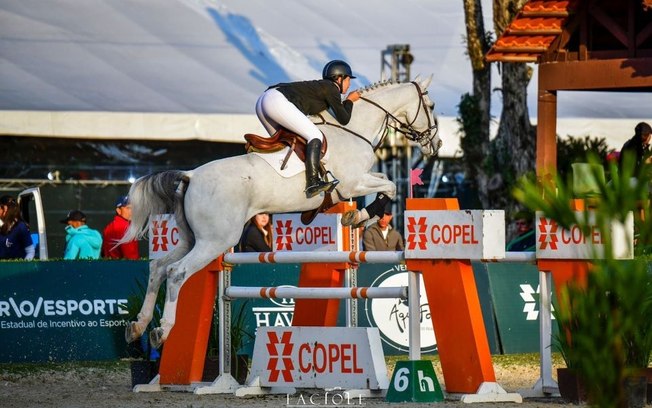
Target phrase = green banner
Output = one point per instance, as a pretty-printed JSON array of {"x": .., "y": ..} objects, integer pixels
[
  {"x": 515, "y": 294},
  {"x": 65, "y": 310}
]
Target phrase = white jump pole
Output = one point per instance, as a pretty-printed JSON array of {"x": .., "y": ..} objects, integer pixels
[
  {"x": 316, "y": 293},
  {"x": 414, "y": 307},
  {"x": 316, "y": 257}
]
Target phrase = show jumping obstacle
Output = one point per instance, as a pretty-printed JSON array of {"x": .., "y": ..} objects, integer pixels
[{"x": 458, "y": 319}]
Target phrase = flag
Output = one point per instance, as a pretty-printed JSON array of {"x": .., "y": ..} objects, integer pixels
[{"x": 415, "y": 177}]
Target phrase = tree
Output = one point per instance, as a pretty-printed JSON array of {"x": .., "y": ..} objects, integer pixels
[{"x": 495, "y": 166}]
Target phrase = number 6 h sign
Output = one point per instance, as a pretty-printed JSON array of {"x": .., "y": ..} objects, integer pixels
[{"x": 414, "y": 381}]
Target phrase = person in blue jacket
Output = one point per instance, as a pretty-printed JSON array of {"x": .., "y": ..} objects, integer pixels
[
  {"x": 82, "y": 242},
  {"x": 15, "y": 238}
]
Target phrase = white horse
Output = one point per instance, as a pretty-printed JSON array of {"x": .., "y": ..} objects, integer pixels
[{"x": 212, "y": 202}]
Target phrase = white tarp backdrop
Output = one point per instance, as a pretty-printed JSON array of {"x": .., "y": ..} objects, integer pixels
[{"x": 192, "y": 69}]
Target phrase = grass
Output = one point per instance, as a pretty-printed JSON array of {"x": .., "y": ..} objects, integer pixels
[
  {"x": 27, "y": 369},
  {"x": 501, "y": 360}
]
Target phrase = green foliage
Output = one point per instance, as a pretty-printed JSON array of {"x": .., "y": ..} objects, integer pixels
[
  {"x": 575, "y": 150},
  {"x": 132, "y": 308},
  {"x": 605, "y": 325},
  {"x": 240, "y": 335},
  {"x": 471, "y": 139}
]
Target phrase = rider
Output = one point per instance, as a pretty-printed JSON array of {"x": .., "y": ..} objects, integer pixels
[{"x": 287, "y": 104}]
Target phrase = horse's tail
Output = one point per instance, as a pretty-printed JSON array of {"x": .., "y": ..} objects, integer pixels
[{"x": 157, "y": 193}]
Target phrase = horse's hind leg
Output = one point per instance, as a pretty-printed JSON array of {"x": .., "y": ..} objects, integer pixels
[
  {"x": 157, "y": 273},
  {"x": 178, "y": 273}
]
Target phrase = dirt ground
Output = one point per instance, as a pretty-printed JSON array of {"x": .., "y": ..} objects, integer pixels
[{"x": 110, "y": 387}]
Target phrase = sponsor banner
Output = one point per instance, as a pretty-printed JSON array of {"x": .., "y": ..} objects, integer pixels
[
  {"x": 467, "y": 234},
  {"x": 163, "y": 235},
  {"x": 66, "y": 310},
  {"x": 391, "y": 316},
  {"x": 516, "y": 298},
  {"x": 323, "y": 234},
  {"x": 554, "y": 242},
  {"x": 319, "y": 357}
]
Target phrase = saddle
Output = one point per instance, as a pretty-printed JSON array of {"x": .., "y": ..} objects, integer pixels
[{"x": 280, "y": 140}]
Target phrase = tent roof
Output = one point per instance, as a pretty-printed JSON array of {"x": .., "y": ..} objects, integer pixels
[{"x": 192, "y": 69}]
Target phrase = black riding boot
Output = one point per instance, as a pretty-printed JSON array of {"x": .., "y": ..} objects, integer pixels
[{"x": 314, "y": 184}]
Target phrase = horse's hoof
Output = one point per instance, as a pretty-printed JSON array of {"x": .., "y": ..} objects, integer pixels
[
  {"x": 349, "y": 218},
  {"x": 156, "y": 337},
  {"x": 361, "y": 224},
  {"x": 132, "y": 333}
]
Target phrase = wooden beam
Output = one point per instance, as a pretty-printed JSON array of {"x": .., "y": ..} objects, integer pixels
[
  {"x": 616, "y": 74},
  {"x": 546, "y": 134},
  {"x": 608, "y": 23}
]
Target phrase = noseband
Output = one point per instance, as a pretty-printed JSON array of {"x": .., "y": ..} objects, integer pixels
[{"x": 424, "y": 138}]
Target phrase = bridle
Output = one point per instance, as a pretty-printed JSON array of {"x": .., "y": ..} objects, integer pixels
[{"x": 423, "y": 138}]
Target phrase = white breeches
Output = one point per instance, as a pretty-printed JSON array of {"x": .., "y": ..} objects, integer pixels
[{"x": 275, "y": 111}]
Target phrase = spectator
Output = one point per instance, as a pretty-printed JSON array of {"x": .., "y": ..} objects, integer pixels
[
  {"x": 380, "y": 236},
  {"x": 526, "y": 239},
  {"x": 637, "y": 146},
  {"x": 115, "y": 230},
  {"x": 257, "y": 235},
  {"x": 82, "y": 242},
  {"x": 15, "y": 239},
  {"x": 4, "y": 202}
]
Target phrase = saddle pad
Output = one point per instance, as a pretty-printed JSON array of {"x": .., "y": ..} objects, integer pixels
[{"x": 293, "y": 167}]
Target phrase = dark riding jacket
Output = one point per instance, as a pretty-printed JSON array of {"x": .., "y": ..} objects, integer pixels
[{"x": 312, "y": 97}]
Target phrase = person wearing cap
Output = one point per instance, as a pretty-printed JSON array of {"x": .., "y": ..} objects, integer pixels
[
  {"x": 286, "y": 105},
  {"x": 82, "y": 242},
  {"x": 638, "y": 146},
  {"x": 380, "y": 236},
  {"x": 115, "y": 230}
]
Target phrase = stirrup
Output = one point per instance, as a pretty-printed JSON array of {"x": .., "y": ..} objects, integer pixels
[
  {"x": 334, "y": 182},
  {"x": 320, "y": 187}
]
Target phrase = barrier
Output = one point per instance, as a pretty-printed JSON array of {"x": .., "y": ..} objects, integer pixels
[
  {"x": 440, "y": 242},
  {"x": 566, "y": 256},
  {"x": 378, "y": 372}
]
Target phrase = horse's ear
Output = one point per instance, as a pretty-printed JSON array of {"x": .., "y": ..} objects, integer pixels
[{"x": 426, "y": 82}]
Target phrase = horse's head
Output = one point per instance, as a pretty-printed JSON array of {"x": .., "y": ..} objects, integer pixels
[
  {"x": 421, "y": 126},
  {"x": 408, "y": 110}
]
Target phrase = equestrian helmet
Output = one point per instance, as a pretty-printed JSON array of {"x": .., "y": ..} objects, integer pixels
[{"x": 335, "y": 69}]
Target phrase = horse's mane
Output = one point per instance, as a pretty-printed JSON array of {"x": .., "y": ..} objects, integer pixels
[{"x": 376, "y": 86}]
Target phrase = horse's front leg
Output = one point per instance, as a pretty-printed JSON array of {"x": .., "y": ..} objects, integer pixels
[
  {"x": 134, "y": 330},
  {"x": 177, "y": 274},
  {"x": 370, "y": 183}
]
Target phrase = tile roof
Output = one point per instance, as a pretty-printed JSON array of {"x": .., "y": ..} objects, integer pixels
[{"x": 532, "y": 31}]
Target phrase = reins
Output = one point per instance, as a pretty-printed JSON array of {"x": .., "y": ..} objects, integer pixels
[{"x": 410, "y": 133}]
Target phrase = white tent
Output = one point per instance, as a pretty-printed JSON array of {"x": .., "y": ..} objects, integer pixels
[{"x": 192, "y": 69}]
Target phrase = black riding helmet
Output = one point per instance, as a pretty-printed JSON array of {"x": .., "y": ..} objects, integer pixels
[{"x": 337, "y": 68}]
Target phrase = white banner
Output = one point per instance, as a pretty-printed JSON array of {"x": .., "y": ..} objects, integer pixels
[
  {"x": 467, "y": 234},
  {"x": 163, "y": 235},
  {"x": 323, "y": 234},
  {"x": 553, "y": 242},
  {"x": 319, "y": 357}
]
